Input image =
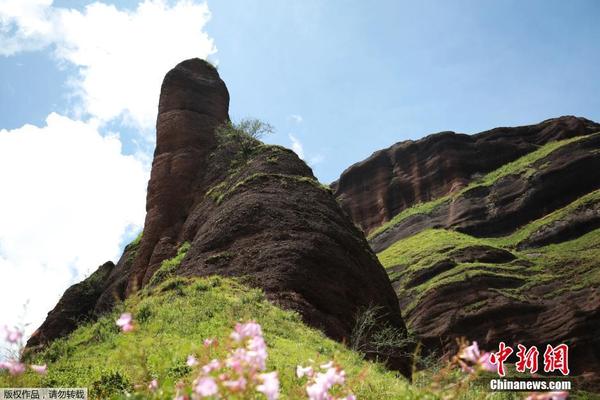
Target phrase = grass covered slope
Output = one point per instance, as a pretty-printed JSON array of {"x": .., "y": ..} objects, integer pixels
[
  {"x": 172, "y": 320},
  {"x": 572, "y": 262},
  {"x": 437, "y": 257}
]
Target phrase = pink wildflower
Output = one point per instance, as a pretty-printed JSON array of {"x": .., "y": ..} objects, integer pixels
[
  {"x": 211, "y": 366},
  {"x": 12, "y": 335},
  {"x": 191, "y": 361},
  {"x": 153, "y": 385},
  {"x": 325, "y": 381},
  {"x": 39, "y": 369},
  {"x": 474, "y": 356},
  {"x": 209, "y": 342},
  {"x": 15, "y": 368},
  {"x": 257, "y": 352},
  {"x": 236, "y": 385},
  {"x": 124, "y": 319},
  {"x": 125, "y": 322},
  {"x": 270, "y": 385},
  {"x": 247, "y": 330},
  {"x": 253, "y": 357},
  {"x": 206, "y": 387},
  {"x": 237, "y": 360},
  {"x": 317, "y": 392},
  {"x": 470, "y": 353},
  {"x": 304, "y": 371},
  {"x": 335, "y": 376},
  {"x": 548, "y": 396},
  {"x": 485, "y": 363}
]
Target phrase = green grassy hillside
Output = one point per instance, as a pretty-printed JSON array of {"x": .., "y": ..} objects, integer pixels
[
  {"x": 172, "y": 320},
  {"x": 573, "y": 263}
]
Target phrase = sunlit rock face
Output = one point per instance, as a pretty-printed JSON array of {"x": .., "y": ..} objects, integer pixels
[{"x": 374, "y": 190}]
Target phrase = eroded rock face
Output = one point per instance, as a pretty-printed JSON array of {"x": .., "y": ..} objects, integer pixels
[
  {"x": 516, "y": 199},
  {"x": 193, "y": 102},
  {"x": 510, "y": 257},
  {"x": 76, "y": 304},
  {"x": 391, "y": 180},
  {"x": 500, "y": 298},
  {"x": 443, "y": 315},
  {"x": 86, "y": 300},
  {"x": 255, "y": 212},
  {"x": 582, "y": 220}
]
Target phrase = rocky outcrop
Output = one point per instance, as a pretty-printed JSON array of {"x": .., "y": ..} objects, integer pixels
[
  {"x": 76, "y": 305},
  {"x": 507, "y": 256},
  {"x": 86, "y": 300},
  {"x": 474, "y": 308},
  {"x": 194, "y": 101},
  {"x": 232, "y": 206},
  {"x": 515, "y": 199},
  {"x": 391, "y": 180},
  {"x": 489, "y": 294},
  {"x": 584, "y": 219}
]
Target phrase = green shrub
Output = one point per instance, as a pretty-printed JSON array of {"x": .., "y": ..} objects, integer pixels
[
  {"x": 374, "y": 338},
  {"x": 245, "y": 134},
  {"x": 109, "y": 384}
]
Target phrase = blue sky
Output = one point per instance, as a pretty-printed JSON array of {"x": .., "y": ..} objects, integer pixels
[
  {"x": 364, "y": 77},
  {"x": 337, "y": 79}
]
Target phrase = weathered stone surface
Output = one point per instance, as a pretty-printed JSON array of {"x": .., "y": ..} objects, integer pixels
[
  {"x": 391, "y": 180},
  {"x": 86, "y": 300},
  {"x": 514, "y": 200},
  {"x": 75, "y": 306},
  {"x": 584, "y": 219},
  {"x": 573, "y": 318},
  {"x": 522, "y": 291},
  {"x": 193, "y": 102}
]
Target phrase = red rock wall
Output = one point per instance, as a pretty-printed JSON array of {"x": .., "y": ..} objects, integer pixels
[{"x": 373, "y": 191}]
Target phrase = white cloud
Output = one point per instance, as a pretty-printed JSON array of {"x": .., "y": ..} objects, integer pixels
[
  {"x": 24, "y": 25},
  {"x": 121, "y": 55},
  {"x": 121, "y": 68},
  {"x": 296, "y": 118},
  {"x": 297, "y": 146},
  {"x": 69, "y": 196}
]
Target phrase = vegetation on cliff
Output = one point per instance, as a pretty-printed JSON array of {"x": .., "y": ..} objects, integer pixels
[
  {"x": 523, "y": 165},
  {"x": 512, "y": 255}
]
